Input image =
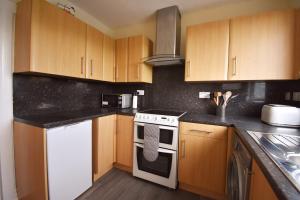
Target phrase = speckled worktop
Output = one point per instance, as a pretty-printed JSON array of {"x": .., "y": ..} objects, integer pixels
[
  {"x": 53, "y": 120},
  {"x": 280, "y": 184}
]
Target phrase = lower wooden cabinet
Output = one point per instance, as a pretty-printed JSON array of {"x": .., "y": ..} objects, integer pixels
[
  {"x": 104, "y": 148},
  {"x": 124, "y": 144},
  {"x": 203, "y": 159},
  {"x": 260, "y": 187}
]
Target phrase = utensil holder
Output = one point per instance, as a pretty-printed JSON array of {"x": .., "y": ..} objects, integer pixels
[{"x": 221, "y": 111}]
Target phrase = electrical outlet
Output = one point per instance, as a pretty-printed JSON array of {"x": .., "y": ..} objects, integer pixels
[
  {"x": 204, "y": 95},
  {"x": 296, "y": 96},
  {"x": 140, "y": 92},
  {"x": 287, "y": 96}
]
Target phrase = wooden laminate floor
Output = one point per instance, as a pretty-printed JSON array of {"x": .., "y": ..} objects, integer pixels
[{"x": 119, "y": 185}]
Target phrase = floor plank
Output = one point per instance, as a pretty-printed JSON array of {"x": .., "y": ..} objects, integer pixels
[{"x": 120, "y": 185}]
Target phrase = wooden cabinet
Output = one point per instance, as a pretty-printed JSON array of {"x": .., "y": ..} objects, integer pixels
[
  {"x": 94, "y": 54},
  {"x": 203, "y": 159},
  {"x": 207, "y": 51},
  {"x": 48, "y": 40},
  {"x": 262, "y": 46},
  {"x": 108, "y": 59},
  {"x": 139, "y": 48},
  {"x": 121, "y": 59},
  {"x": 260, "y": 187},
  {"x": 104, "y": 145},
  {"x": 124, "y": 144}
]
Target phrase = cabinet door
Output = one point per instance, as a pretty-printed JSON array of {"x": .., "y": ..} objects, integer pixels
[
  {"x": 104, "y": 130},
  {"x": 121, "y": 59},
  {"x": 124, "y": 141},
  {"x": 260, "y": 187},
  {"x": 94, "y": 48},
  {"x": 108, "y": 59},
  {"x": 262, "y": 46},
  {"x": 202, "y": 159},
  {"x": 139, "y": 49},
  {"x": 207, "y": 51}
]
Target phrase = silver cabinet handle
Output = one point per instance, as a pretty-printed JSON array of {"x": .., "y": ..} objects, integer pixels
[
  {"x": 200, "y": 131},
  {"x": 117, "y": 76},
  {"x": 234, "y": 66},
  {"x": 91, "y": 67},
  {"x": 138, "y": 71},
  {"x": 182, "y": 148},
  {"x": 81, "y": 65},
  {"x": 188, "y": 68}
]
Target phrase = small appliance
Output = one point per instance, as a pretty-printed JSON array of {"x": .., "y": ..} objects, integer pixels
[
  {"x": 281, "y": 115},
  {"x": 116, "y": 100}
]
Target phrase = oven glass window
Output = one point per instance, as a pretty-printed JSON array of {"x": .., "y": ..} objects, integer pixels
[
  {"x": 160, "y": 167},
  {"x": 165, "y": 136}
]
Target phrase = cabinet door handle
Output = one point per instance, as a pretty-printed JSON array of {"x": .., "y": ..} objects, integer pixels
[
  {"x": 188, "y": 68},
  {"x": 200, "y": 131},
  {"x": 81, "y": 65},
  {"x": 114, "y": 73},
  {"x": 117, "y": 76},
  {"x": 138, "y": 71},
  {"x": 234, "y": 66},
  {"x": 91, "y": 67},
  {"x": 182, "y": 148}
]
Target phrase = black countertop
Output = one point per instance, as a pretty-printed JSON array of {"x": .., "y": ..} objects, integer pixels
[
  {"x": 53, "y": 120},
  {"x": 279, "y": 182}
]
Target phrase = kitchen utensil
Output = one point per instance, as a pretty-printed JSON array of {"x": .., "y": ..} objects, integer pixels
[{"x": 226, "y": 97}]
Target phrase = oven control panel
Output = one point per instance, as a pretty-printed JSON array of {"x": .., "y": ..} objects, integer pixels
[{"x": 156, "y": 119}]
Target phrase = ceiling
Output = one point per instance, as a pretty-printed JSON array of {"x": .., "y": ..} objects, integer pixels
[{"x": 118, "y": 13}]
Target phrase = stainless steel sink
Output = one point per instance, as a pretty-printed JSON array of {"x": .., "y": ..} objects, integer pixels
[{"x": 284, "y": 150}]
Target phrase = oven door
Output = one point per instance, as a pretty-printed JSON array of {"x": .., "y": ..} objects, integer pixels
[
  {"x": 163, "y": 171},
  {"x": 168, "y": 136}
]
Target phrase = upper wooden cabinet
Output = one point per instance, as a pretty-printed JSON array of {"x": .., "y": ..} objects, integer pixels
[
  {"x": 121, "y": 61},
  {"x": 259, "y": 47},
  {"x": 207, "y": 51},
  {"x": 94, "y": 54},
  {"x": 262, "y": 46},
  {"x": 104, "y": 145},
  {"x": 108, "y": 59},
  {"x": 48, "y": 40},
  {"x": 203, "y": 159},
  {"x": 129, "y": 60},
  {"x": 260, "y": 187}
]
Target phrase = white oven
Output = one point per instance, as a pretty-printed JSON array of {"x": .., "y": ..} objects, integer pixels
[
  {"x": 163, "y": 171},
  {"x": 168, "y": 135}
]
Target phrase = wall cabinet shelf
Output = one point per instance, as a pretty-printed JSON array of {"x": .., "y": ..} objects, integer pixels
[{"x": 259, "y": 47}]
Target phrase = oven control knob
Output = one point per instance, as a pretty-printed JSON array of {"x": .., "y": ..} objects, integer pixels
[{"x": 154, "y": 118}]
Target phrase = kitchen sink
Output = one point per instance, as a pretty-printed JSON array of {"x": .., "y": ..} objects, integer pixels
[{"x": 284, "y": 150}]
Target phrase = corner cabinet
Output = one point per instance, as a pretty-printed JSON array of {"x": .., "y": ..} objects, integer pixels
[
  {"x": 104, "y": 145},
  {"x": 124, "y": 142},
  {"x": 130, "y": 55},
  {"x": 207, "y": 51},
  {"x": 260, "y": 187},
  {"x": 264, "y": 46},
  {"x": 203, "y": 159},
  {"x": 49, "y": 40}
]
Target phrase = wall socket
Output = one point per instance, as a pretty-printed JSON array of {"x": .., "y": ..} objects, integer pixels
[
  {"x": 204, "y": 95},
  {"x": 141, "y": 92},
  {"x": 296, "y": 96}
]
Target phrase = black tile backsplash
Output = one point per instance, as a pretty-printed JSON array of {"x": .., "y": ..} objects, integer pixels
[{"x": 37, "y": 94}]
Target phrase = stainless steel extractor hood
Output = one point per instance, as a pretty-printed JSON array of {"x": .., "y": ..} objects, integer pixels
[{"x": 167, "y": 48}]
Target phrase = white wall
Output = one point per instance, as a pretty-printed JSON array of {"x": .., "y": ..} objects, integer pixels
[{"x": 7, "y": 10}]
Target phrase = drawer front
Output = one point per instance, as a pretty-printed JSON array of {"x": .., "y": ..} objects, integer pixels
[{"x": 203, "y": 130}]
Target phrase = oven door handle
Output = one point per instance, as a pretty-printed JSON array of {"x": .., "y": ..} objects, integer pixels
[
  {"x": 160, "y": 127},
  {"x": 159, "y": 150}
]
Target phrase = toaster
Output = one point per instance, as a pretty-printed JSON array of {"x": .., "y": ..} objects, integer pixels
[{"x": 281, "y": 115}]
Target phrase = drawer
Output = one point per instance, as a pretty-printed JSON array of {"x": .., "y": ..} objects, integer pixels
[{"x": 203, "y": 130}]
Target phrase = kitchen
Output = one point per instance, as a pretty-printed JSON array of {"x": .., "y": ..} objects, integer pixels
[{"x": 140, "y": 100}]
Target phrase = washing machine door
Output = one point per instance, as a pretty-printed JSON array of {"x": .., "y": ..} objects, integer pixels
[{"x": 235, "y": 180}]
